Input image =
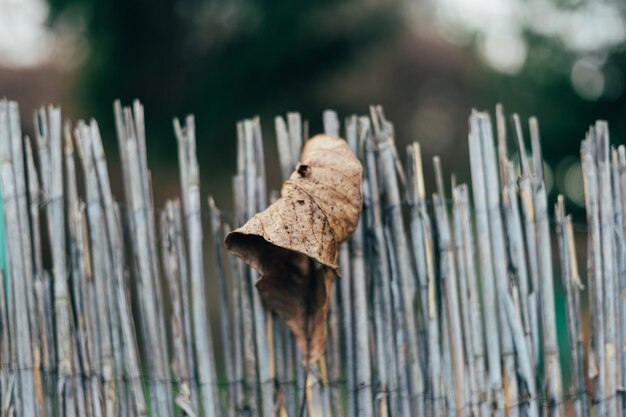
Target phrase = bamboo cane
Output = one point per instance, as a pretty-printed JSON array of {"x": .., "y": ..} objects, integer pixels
[
  {"x": 384, "y": 140},
  {"x": 490, "y": 306}
]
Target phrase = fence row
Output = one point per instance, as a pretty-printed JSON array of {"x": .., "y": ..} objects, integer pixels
[{"x": 442, "y": 310}]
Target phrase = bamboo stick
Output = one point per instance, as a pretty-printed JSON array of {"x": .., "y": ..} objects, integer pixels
[
  {"x": 137, "y": 182},
  {"x": 528, "y": 215},
  {"x": 472, "y": 385},
  {"x": 572, "y": 286},
  {"x": 344, "y": 292},
  {"x": 490, "y": 306},
  {"x": 361, "y": 349},
  {"x": 41, "y": 357},
  {"x": 243, "y": 303},
  {"x": 115, "y": 277},
  {"x": 379, "y": 266},
  {"x": 102, "y": 267},
  {"x": 620, "y": 273},
  {"x": 594, "y": 271},
  {"x": 191, "y": 205},
  {"x": 422, "y": 238},
  {"x": 82, "y": 286},
  {"x": 399, "y": 332},
  {"x": 384, "y": 141},
  {"x": 500, "y": 260},
  {"x": 9, "y": 129},
  {"x": 517, "y": 252},
  {"x": 450, "y": 289},
  {"x": 474, "y": 326},
  {"x": 225, "y": 322},
  {"x": 255, "y": 195},
  {"x": 21, "y": 188},
  {"x": 608, "y": 263},
  {"x": 170, "y": 258},
  {"x": 186, "y": 305},
  {"x": 621, "y": 173},
  {"x": 126, "y": 354},
  {"x": 234, "y": 304},
  {"x": 552, "y": 369}
]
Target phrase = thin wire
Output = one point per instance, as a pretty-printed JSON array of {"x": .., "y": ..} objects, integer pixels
[
  {"x": 340, "y": 382},
  {"x": 228, "y": 216}
]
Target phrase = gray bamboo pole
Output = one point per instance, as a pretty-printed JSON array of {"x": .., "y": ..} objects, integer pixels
[
  {"x": 621, "y": 151},
  {"x": 135, "y": 120},
  {"x": 523, "y": 353},
  {"x": 41, "y": 357},
  {"x": 255, "y": 196},
  {"x": 207, "y": 379},
  {"x": 475, "y": 326},
  {"x": 528, "y": 215},
  {"x": 284, "y": 147},
  {"x": 237, "y": 331},
  {"x": 490, "y": 306},
  {"x": 552, "y": 368},
  {"x": 607, "y": 231},
  {"x": 571, "y": 286},
  {"x": 471, "y": 388},
  {"x": 450, "y": 291},
  {"x": 500, "y": 260},
  {"x": 361, "y": 349},
  {"x": 51, "y": 161},
  {"x": 114, "y": 279},
  {"x": 399, "y": 334},
  {"x": 78, "y": 275},
  {"x": 126, "y": 354},
  {"x": 137, "y": 182},
  {"x": 85, "y": 328},
  {"x": 297, "y": 135},
  {"x": 446, "y": 362},
  {"x": 385, "y": 369},
  {"x": 287, "y": 164},
  {"x": 225, "y": 322},
  {"x": 5, "y": 342},
  {"x": 22, "y": 192},
  {"x": 332, "y": 359},
  {"x": 333, "y": 349},
  {"x": 334, "y": 353},
  {"x": 416, "y": 200},
  {"x": 280, "y": 358},
  {"x": 48, "y": 127},
  {"x": 502, "y": 147},
  {"x": 171, "y": 267},
  {"x": 244, "y": 300},
  {"x": 25, "y": 403},
  {"x": 423, "y": 250},
  {"x": 386, "y": 152},
  {"x": 102, "y": 267},
  {"x": 594, "y": 271},
  {"x": 186, "y": 305},
  {"x": 517, "y": 251},
  {"x": 581, "y": 380},
  {"x": 620, "y": 272}
]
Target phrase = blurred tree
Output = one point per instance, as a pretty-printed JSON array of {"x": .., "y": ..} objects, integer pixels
[{"x": 223, "y": 60}]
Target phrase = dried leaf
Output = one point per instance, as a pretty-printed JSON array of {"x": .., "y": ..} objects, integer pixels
[{"x": 295, "y": 242}]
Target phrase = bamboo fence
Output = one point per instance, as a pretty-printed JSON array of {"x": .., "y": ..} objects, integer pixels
[{"x": 446, "y": 305}]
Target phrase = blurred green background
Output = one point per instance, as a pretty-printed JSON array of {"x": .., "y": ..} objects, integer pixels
[{"x": 427, "y": 61}]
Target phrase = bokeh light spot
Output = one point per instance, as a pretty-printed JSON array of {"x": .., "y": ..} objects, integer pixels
[{"x": 587, "y": 79}]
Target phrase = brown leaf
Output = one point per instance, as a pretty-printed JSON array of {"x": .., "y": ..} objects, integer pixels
[{"x": 294, "y": 243}]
